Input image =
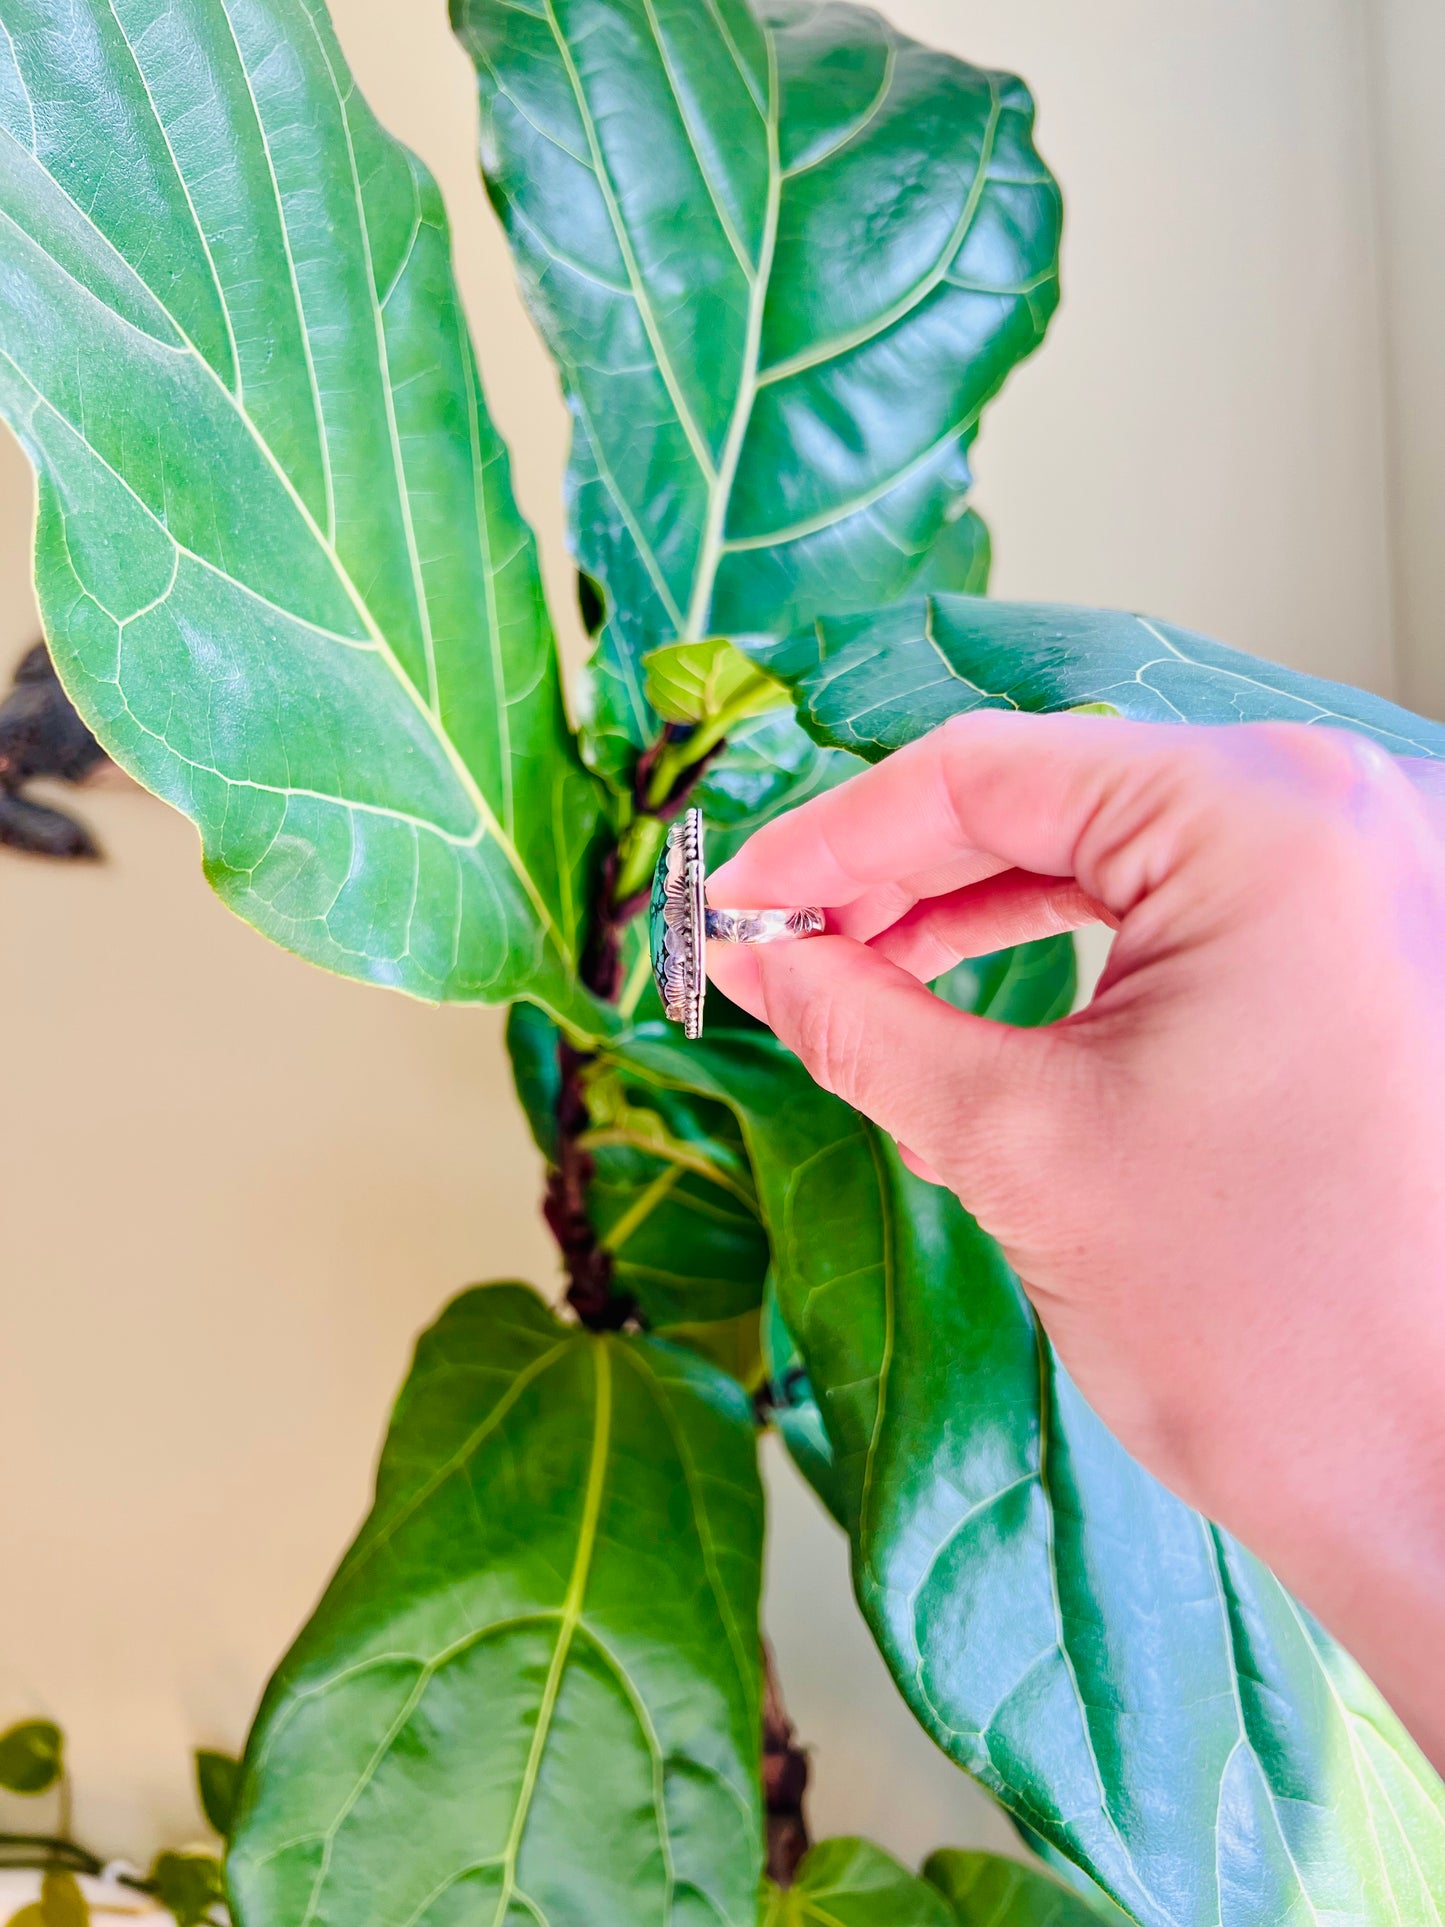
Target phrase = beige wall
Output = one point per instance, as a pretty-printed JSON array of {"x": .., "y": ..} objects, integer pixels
[
  {"x": 233, "y": 1188},
  {"x": 1408, "y": 61}
]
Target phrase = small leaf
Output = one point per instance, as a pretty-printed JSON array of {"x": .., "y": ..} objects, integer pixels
[
  {"x": 31, "y": 1916},
  {"x": 960, "y": 561},
  {"x": 62, "y": 1904},
  {"x": 532, "y": 1041},
  {"x": 188, "y": 1885},
  {"x": 32, "y": 1757},
  {"x": 851, "y": 1883},
  {"x": 216, "y": 1778},
  {"x": 987, "y": 1890},
  {"x": 698, "y": 682}
]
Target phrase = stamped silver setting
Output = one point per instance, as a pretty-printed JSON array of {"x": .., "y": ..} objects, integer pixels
[{"x": 679, "y": 924}]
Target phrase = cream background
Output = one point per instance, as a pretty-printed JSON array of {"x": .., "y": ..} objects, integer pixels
[{"x": 232, "y": 1188}]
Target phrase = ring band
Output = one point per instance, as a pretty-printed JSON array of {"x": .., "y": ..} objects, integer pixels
[
  {"x": 761, "y": 926},
  {"x": 680, "y": 923}
]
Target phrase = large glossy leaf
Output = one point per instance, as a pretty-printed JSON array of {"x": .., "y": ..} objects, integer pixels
[
  {"x": 985, "y": 1890},
  {"x": 280, "y": 567},
  {"x": 783, "y": 256},
  {"x": 851, "y": 1883},
  {"x": 872, "y": 683},
  {"x": 1034, "y": 983},
  {"x": 530, "y": 1694},
  {"x": 1128, "y": 1681}
]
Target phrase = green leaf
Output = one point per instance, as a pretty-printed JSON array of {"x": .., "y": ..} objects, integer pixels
[
  {"x": 531, "y": 1692},
  {"x": 32, "y": 1757},
  {"x": 532, "y": 1041},
  {"x": 960, "y": 561},
  {"x": 872, "y": 683},
  {"x": 672, "y": 1199},
  {"x": 850, "y": 1883},
  {"x": 188, "y": 1885},
  {"x": 783, "y": 257},
  {"x": 280, "y": 567},
  {"x": 217, "y": 1775},
  {"x": 709, "y": 682},
  {"x": 62, "y": 1904},
  {"x": 795, "y": 1410},
  {"x": 1068, "y": 1632},
  {"x": 1034, "y": 983},
  {"x": 986, "y": 1890}
]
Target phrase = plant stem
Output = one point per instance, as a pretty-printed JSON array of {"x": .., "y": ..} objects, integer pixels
[
  {"x": 785, "y": 1781},
  {"x": 46, "y": 1852},
  {"x": 661, "y": 784}
]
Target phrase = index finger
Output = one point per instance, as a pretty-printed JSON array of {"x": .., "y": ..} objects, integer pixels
[{"x": 1011, "y": 790}]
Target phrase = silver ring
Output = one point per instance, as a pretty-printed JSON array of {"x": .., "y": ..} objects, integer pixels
[{"x": 679, "y": 924}]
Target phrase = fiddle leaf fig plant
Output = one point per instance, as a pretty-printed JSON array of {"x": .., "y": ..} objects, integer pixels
[{"x": 783, "y": 257}]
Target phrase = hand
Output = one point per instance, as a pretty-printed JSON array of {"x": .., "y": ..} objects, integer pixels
[{"x": 1223, "y": 1182}]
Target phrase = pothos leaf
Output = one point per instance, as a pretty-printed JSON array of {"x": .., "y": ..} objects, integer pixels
[
  {"x": 32, "y": 1757},
  {"x": 851, "y": 1883},
  {"x": 531, "y": 1692},
  {"x": 217, "y": 1775},
  {"x": 871, "y": 683},
  {"x": 1068, "y": 1632},
  {"x": 188, "y": 1886},
  {"x": 281, "y": 571},
  {"x": 783, "y": 256}
]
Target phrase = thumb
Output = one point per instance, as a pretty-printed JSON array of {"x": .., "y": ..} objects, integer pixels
[{"x": 970, "y": 1098}]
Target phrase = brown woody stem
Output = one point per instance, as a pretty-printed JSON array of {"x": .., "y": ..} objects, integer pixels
[{"x": 785, "y": 1782}]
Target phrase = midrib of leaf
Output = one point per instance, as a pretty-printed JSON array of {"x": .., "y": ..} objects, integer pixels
[
  {"x": 686, "y": 420},
  {"x": 29, "y": 103},
  {"x": 707, "y": 1541},
  {"x": 642, "y": 1208},
  {"x": 1045, "y": 1388},
  {"x": 725, "y": 220},
  {"x": 487, "y": 823},
  {"x": 1216, "y": 1564},
  {"x": 890, "y": 1317},
  {"x": 570, "y": 1620},
  {"x": 201, "y": 235},
  {"x": 494, "y": 635},
  {"x": 322, "y": 441},
  {"x": 403, "y": 493},
  {"x": 675, "y": 1152},
  {"x": 720, "y": 487}
]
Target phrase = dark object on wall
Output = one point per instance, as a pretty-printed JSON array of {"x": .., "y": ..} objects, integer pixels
[{"x": 42, "y": 736}]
